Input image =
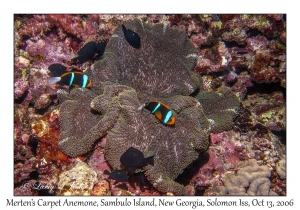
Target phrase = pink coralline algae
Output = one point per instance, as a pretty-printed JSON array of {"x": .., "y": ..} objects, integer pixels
[
  {"x": 214, "y": 59},
  {"x": 243, "y": 82},
  {"x": 238, "y": 35},
  {"x": 267, "y": 65},
  {"x": 22, "y": 171},
  {"x": 244, "y": 53},
  {"x": 20, "y": 88},
  {"x": 98, "y": 162},
  {"x": 228, "y": 149},
  {"x": 268, "y": 110},
  {"x": 31, "y": 83},
  {"x": 40, "y": 24},
  {"x": 51, "y": 50},
  {"x": 26, "y": 189},
  {"x": 255, "y": 42}
]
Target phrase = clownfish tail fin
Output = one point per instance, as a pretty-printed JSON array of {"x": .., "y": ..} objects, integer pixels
[
  {"x": 141, "y": 107},
  {"x": 53, "y": 80}
]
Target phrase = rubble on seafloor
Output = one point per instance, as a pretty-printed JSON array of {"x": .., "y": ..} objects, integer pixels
[{"x": 243, "y": 53}]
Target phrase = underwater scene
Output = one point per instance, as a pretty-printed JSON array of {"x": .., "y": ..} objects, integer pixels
[{"x": 149, "y": 105}]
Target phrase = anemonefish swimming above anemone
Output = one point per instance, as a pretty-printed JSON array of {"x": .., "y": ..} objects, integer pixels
[
  {"x": 71, "y": 78},
  {"x": 76, "y": 79},
  {"x": 161, "y": 111}
]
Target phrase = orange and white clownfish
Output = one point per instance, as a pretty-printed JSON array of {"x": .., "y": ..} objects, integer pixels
[
  {"x": 76, "y": 79},
  {"x": 161, "y": 111}
]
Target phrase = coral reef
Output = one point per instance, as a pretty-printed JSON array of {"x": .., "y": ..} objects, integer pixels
[
  {"x": 22, "y": 171},
  {"x": 46, "y": 129},
  {"x": 245, "y": 54},
  {"x": 240, "y": 86},
  {"x": 80, "y": 180},
  {"x": 98, "y": 163},
  {"x": 26, "y": 189},
  {"x": 281, "y": 168},
  {"x": 249, "y": 175},
  {"x": 41, "y": 24},
  {"x": 254, "y": 42},
  {"x": 36, "y": 91},
  {"x": 267, "y": 109},
  {"x": 45, "y": 52},
  {"x": 213, "y": 60},
  {"x": 238, "y": 35},
  {"x": 226, "y": 152},
  {"x": 101, "y": 188},
  {"x": 50, "y": 160}
]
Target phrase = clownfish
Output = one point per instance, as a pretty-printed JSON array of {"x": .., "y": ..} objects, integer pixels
[
  {"x": 131, "y": 37},
  {"x": 76, "y": 79},
  {"x": 161, "y": 112}
]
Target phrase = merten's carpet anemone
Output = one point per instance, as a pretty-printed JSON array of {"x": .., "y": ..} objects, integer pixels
[{"x": 130, "y": 75}]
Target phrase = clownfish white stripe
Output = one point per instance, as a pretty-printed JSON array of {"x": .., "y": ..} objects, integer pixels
[
  {"x": 168, "y": 116},
  {"x": 71, "y": 80},
  {"x": 154, "y": 110},
  {"x": 85, "y": 80}
]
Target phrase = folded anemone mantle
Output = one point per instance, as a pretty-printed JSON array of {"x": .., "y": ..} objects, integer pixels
[{"x": 127, "y": 77}]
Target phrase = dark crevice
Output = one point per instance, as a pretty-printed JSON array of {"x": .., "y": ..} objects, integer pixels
[
  {"x": 254, "y": 33},
  {"x": 202, "y": 47},
  {"x": 192, "y": 169},
  {"x": 199, "y": 191},
  {"x": 224, "y": 72},
  {"x": 42, "y": 111},
  {"x": 45, "y": 192},
  {"x": 195, "y": 93},
  {"x": 266, "y": 88},
  {"x": 22, "y": 98},
  {"x": 281, "y": 136},
  {"x": 233, "y": 44},
  {"x": 33, "y": 143},
  {"x": 34, "y": 175}
]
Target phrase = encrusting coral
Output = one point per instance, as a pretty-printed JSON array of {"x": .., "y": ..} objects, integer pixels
[
  {"x": 79, "y": 180},
  {"x": 281, "y": 168},
  {"x": 126, "y": 78},
  {"x": 250, "y": 179}
]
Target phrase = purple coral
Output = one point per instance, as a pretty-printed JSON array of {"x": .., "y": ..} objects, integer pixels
[
  {"x": 213, "y": 60},
  {"x": 20, "y": 88}
]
